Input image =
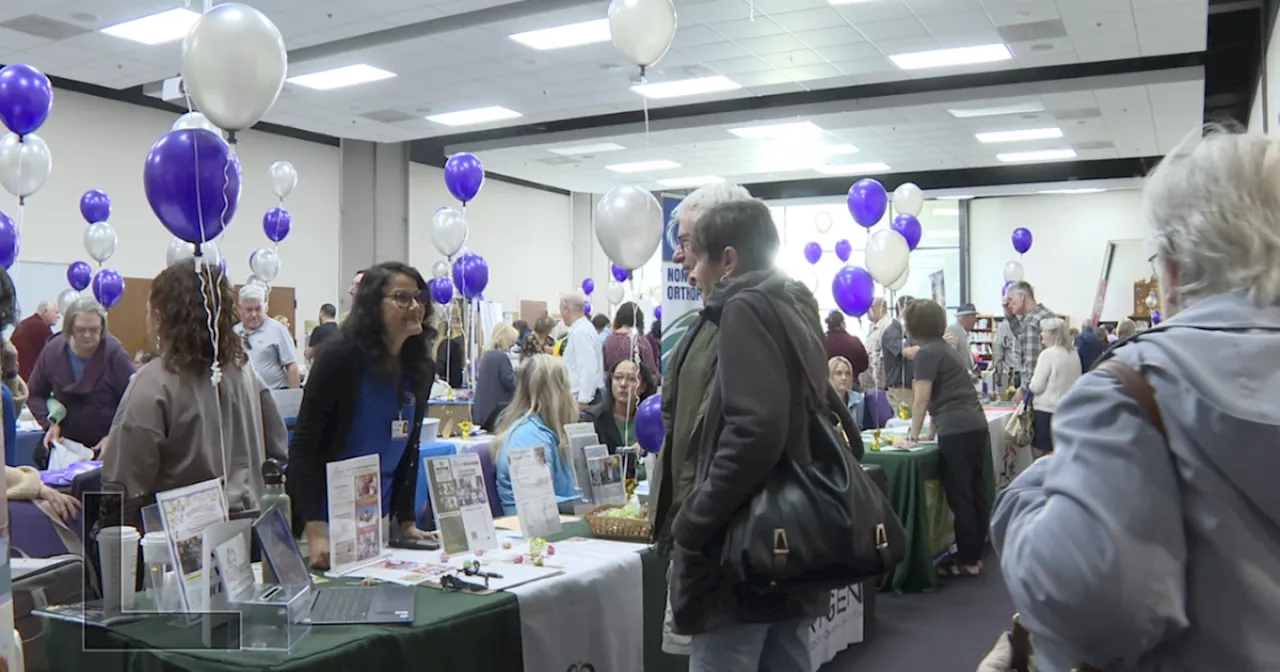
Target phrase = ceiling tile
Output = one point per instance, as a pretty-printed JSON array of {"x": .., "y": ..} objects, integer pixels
[
  {"x": 746, "y": 28},
  {"x": 715, "y": 52},
  {"x": 1069, "y": 8},
  {"x": 1171, "y": 14},
  {"x": 809, "y": 19},
  {"x": 1106, "y": 49},
  {"x": 850, "y": 52},
  {"x": 793, "y": 59},
  {"x": 827, "y": 37},
  {"x": 737, "y": 66},
  {"x": 956, "y": 22},
  {"x": 687, "y": 36},
  {"x": 1010, "y": 12},
  {"x": 770, "y": 45},
  {"x": 712, "y": 11},
  {"x": 867, "y": 66},
  {"x": 1091, "y": 26},
  {"x": 881, "y": 10},
  {"x": 816, "y": 71},
  {"x": 888, "y": 30}
]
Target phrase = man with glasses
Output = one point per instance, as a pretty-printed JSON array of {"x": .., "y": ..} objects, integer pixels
[{"x": 268, "y": 343}]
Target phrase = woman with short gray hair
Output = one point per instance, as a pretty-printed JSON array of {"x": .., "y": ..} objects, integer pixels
[
  {"x": 1149, "y": 539},
  {"x": 1057, "y": 369}
]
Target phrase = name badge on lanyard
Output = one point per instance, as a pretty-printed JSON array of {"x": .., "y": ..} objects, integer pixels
[{"x": 399, "y": 428}]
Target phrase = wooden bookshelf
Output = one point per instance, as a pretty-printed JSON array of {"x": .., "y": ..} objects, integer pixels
[{"x": 983, "y": 337}]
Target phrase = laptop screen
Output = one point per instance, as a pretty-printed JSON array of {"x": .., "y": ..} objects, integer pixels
[{"x": 280, "y": 549}]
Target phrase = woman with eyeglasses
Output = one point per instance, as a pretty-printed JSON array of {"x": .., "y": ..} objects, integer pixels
[
  {"x": 366, "y": 394},
  {"x": 615, "y": 415}
]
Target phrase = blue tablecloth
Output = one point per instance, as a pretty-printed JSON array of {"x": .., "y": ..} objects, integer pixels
[{"x": 422, "y": 498}]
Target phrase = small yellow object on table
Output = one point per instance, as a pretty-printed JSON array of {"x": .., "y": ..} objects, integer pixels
[
  {"x": 875, "y": 440},
  {"x": 465, "y": 428}
]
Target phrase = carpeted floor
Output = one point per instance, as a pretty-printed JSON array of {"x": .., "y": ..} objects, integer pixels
[{"x": 946, "y": 631}]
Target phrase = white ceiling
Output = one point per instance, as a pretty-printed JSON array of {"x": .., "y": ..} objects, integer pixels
[{"x": 768, "y": 46}]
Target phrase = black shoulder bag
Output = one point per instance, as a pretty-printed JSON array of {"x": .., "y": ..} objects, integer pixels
[{"x": 816, "y": 526}]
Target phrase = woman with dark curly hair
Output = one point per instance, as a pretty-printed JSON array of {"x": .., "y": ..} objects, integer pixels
[
  {"x": 173, "y": 426},
  {"x": 366, "y": 394}
]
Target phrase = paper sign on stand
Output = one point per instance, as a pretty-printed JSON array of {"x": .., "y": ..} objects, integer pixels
[
  {"x": 355, "y": 512},
  {"x": 225, "y": 553},
  {"x": 534, "y": 494},
  {"x": 607, "y": 486},
  {"x": 461, "y": 503},
  {"x": 186, "y": 513},
  {"x": 578, "y": 442}
]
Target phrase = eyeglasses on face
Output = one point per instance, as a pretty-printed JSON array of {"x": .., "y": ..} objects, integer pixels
[
  {"x": 405, "y": 299},
  {"x": 86, "y": 331},
  {"x": 626, "y": 378}
]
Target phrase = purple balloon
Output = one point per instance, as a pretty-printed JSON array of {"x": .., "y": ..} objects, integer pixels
[
  {"x": 8, "y": 241},
  {"x": 26, "y": 98},
  {"x": 79, "y": 275},
  {"x": 1021, "y": 240},
  {"x": 910, "y": 229},
  {"x": 657, "y": 313},
  {"x": 195, "y": 201},
  {"x": 812, "y": 252},
  {"x": 108, "y": 287},
  {"x": 649, "y": 430},
  {"x": 470, "y": 274},
  {"x": 1155, "y": 317},
  {"x": 588, "y": 286},
  {"x": 1005, "y": 290},
  {"x": 441, "y": 290},
  {"x": 95, "y": 206},
  {"x": 276, "y": 223},
  {"x": 867, "y": 202},
  {"x": 619, "y": 273},
  {"x": 464, "y": 175},
  {"x": 854, "y": 289},
  {"x": 586, "y": 307},
  {"x": 843, "y": 249}
]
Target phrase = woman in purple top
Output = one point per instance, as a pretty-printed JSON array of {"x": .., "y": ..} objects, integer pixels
[{"x": 86, "y": 370}]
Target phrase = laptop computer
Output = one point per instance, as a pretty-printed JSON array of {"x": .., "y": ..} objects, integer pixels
[{"x": 338, "y": 605}]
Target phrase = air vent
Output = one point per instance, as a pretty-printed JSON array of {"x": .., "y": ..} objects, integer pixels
[
  {"x": 390, "y": 116},
  {"x": 1030, "y": 32},
  {"x": 1095, "y": 144},
  {"x": 1085, "y": 113},
  {"x": 43, "y": 26}
]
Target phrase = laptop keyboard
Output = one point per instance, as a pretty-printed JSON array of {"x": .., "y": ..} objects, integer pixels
[{"x": 343, "y": 606}]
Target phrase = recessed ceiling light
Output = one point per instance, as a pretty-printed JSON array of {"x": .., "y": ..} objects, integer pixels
[
  {"x": 838, "y": 150},
  {"x": 480, "y": 115},
  {"x": 946, "y": 212},
  {"x": 945, "y": 58},
  {"x": 690, "y": 181},
  {"x": 563, "y": 37},
  {"x": 686, "y": 87},
  {"x": 797, "y": 130},
  {"x": 1039, "y": 155},
  {"x": 996, "y": 110},
  {"x": 643, "y": 166},
  {"x": 167, "y": 26},
  {"x": 853, "y": 169},
  {"x": 1019, "y": 135},
  {"x": 597, "y": 148},
  {"x": 336, "y": 78},
  {"x": 1092, "y": 190}
]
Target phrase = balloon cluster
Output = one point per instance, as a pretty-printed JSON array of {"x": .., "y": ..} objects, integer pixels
[
  {"x": 276, "y": 223},
  {"x": 100, "y": 242},
  {"x": 26, "y": 99},
  {"x": 1013, "y": 270},
  {"x": 888, "y": 251},
  {"x": 464, "y": 177}
]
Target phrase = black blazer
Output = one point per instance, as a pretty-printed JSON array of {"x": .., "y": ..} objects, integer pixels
[
  {"x": 601, "y": 415},
  {"x": 324, "y": 420}
]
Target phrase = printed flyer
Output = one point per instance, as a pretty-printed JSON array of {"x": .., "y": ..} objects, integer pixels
[
  {"x": 461, "y": 503},
  {"x": 355, "y": 512},
  {"x": 186, "y": 513},
  {"x": 606, "y": 480},
  {"x": 535, "y": 495}
]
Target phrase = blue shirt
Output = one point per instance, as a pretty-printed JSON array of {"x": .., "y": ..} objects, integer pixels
[
  {"x": 77, "y": 363},
  {"x": 381, "y": 402},
  {"x": 526, "y": 432}
]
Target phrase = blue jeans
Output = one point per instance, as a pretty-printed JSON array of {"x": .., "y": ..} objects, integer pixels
[{"x": 753, "y": 647}]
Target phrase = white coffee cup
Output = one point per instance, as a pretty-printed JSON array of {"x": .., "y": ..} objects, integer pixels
[
  {"x": 118, "y": 552},
  {"x": 157, "y": 562}
]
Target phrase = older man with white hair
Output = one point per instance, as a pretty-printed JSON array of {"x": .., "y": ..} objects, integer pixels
[
  {"x": 267, "y": 342},
  {"x": 1152, "y": 537},
  {"x": 583, "y": 352}
]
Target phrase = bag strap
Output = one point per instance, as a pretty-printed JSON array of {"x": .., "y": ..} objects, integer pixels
[{"x": 1136, "y": 385}]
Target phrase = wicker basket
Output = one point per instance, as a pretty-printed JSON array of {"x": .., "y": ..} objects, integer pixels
[{"x": 628, "y": 529}]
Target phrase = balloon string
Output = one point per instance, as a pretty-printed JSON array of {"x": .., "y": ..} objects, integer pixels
[{"x": 645, "y": 100}]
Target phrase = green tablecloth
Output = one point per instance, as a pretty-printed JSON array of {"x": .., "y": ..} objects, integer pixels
[{"x": 915, "y": 490}]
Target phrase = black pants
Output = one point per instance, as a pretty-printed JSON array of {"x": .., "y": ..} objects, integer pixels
[
  {"x": 1042, "y": 440},
  {"x": 966, "y": 488}
]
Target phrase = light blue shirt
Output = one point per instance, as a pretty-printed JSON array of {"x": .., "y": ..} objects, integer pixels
[
  {"x": 270, "y": 349},
  {"x": 77, "y": 364},
  {"x": 527, "y": 432}
]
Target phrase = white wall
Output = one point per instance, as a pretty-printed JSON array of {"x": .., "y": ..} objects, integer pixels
[
  {"x": 525, "y": 234},
  {"x": 102, "y": 144},
  {"x": 1071, "y": 232},
  {"x": 1271, "y": 91}
]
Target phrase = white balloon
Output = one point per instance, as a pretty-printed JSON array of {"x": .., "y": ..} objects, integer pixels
[
  {"x": 65, "y": 299},
  {"x": 642, "y": 29},
  {"x": 615, "y": 292},
  {"x": 233, "y": 65},
  {"x": 265, "y": 264},
  {"x": 902, "y": 281},
  {"x": 180, "y": 250},
  {"x": 448, "y": 231},
  {"x": 192, "y": 120},
  {"x": 629, "y": 226},
  {"x": 908, "y": 199},
  {"x": 822, "y": 222},
  {"x": 440, "y": 269},
  {"x": 1014, "y": 272},
  {"x": 283, "y": 178},
  {"x": 100, "y": 241},
  {"x": 887, "y": 256},
  {"x": 25, "y": 164}
]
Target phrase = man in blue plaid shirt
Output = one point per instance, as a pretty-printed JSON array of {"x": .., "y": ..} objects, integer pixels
[{"x": 1026, "y": 337}]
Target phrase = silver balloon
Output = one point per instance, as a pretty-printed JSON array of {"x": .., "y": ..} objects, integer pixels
[
  {"x": 283, "y": 178},
  {"x": 887, "y": 256},
  {"x": 440, "y": 269},
  {"x": 265, "y": 264},
  {"x": 901, "y": 281},
  {"x": 1014, "y": 272},
  {"x": 100, "y": 241},
  {"x": 233, "y": 65},
  {"x": 629, "y": 226},
  {"x": 196, "y": 120},
  {"x": 615, "y": 292},
  {"x": 1152, "y": 301},
  {"x": 255, "y": 280},
  {"x": 642, "y": 29},
  {"x": 448, "y": 231},
  {"x": 65, "y": 299},
  {"x": 908, "y": 199},
  {"x": 180, "y": 249},
  {"x": 25, "y": 164}
]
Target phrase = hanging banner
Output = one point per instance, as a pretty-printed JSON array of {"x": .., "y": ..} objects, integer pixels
[
  {"x": 938, "y": 287},
  {"x": 681, "y": 301}
]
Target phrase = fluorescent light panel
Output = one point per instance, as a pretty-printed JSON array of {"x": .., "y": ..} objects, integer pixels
[
  {"x": 563, "y": 37},
  {"x": 1038, "y": 155},
  {"x": 643, "y": 166},
  {"x": 797, "y": 130},
  {"x": 947, "y": 58},
  {"x": 1028, "y": 107},
  {"x": 167, "y": 26},
  {"x": 853, "y": 169},
  {"x": 480, "y": 115},
  {"x": 347, "y": 75},
  {"x": 690, "y": 181},
  {"x": 686, "y": 87},
  {"x": 1090, "y": 190},
  {"x": 1019, "y": 135},
  {"x": 577, "y": 150}
]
